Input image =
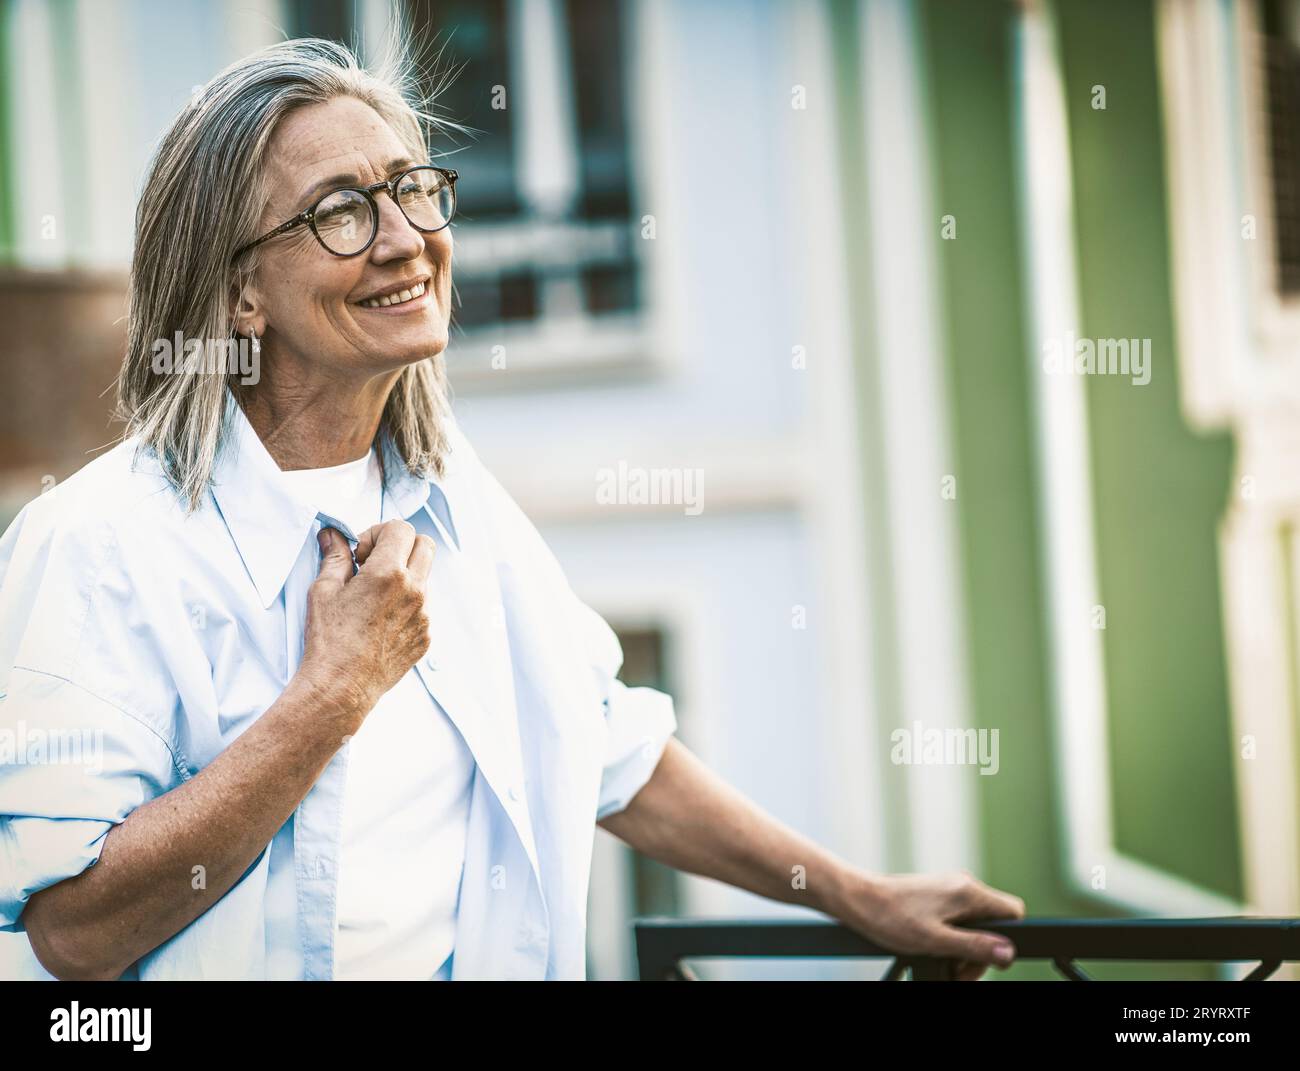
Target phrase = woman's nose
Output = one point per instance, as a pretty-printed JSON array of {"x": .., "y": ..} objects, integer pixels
[{"x": 396, "y": 239}]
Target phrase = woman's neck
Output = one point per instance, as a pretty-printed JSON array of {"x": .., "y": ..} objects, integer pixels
[{"x": 320, "y": 425}]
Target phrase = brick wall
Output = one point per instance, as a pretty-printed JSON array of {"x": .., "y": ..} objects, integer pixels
[{"x": 63, "y": 337}]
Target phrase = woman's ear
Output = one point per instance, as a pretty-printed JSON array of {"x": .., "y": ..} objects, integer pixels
[{"x": 246, "y": 310}]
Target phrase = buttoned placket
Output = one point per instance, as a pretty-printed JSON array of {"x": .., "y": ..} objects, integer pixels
[
  {"x": 489, "y": 725},
  {"x": 489, "y": 729},
  {"x": 317, "y": 821}
]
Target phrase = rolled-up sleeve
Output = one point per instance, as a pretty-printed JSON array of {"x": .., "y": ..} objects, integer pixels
[
  {"x": 639, "y": 720},
  {"x": 71, "y": 767}
]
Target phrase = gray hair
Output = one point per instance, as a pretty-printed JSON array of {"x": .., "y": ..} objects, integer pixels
[{"x": 203, "y": 199}]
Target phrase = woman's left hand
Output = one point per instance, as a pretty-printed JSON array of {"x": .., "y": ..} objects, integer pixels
[{"x": 914, "y": 913}]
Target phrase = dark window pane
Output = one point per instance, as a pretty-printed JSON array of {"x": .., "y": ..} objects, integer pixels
[
  {"x": 1282, "y": 62},
  {"x": 330, "y": 19},
  {"x": 519, "y": 296},
  {"x": 654, "y": 886},
  {"x": 472, "y": 40},
  {"x": 596, "y": 47},
  {"x": 610, "y": 287},
  {"x": 477, "y": 301},
  {"x": 643, "y": 658}
]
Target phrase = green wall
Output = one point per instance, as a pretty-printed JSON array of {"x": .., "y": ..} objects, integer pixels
[
  {"x": 1159, "y": 489},
  {"x": 969, "y": 61}
]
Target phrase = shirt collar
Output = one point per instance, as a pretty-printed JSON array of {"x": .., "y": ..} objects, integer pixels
[{"x": 268, "y": 524}]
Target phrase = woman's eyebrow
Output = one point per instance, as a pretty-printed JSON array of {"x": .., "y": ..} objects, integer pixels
[{"x": 350, "y": 178}]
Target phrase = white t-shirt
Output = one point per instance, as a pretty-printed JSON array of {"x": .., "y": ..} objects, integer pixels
[{"x": 406, "y": 805}]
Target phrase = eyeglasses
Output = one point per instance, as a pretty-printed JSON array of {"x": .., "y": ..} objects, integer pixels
[{"x": 345, "y": 221}]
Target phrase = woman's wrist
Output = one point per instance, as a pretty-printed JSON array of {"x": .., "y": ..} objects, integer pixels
[
  {"x": 326, "y": 702},
  {"x": 852, "y": 894}
]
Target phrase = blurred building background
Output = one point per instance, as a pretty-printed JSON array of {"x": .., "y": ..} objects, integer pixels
[{"x": 815, "y": 252}]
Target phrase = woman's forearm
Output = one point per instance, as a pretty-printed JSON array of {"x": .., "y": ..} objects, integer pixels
[
  {"x": 365, "y": 628},
  {"x": 143, "y": 890},
  {"x": 688, "y": 817}
]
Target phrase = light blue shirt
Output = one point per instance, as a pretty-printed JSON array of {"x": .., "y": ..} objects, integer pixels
[{"x": 137, "y": 642}]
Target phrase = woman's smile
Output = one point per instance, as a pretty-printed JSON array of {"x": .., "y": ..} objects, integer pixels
[{"x": 398, "y": 298}]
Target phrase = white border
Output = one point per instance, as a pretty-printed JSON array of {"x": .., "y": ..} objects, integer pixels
[
  {"x": 916, "y": 417},
  {"x": 1065, "y": 483}
]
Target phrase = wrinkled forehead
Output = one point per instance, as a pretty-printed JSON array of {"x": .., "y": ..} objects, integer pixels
[{"x": 342, "y": 141}]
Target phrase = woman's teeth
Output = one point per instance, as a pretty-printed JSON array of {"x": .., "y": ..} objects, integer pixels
[{"x": 400, "y": 298}]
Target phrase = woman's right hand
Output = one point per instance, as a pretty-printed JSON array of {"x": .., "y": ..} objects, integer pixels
[{"x": 364, "y": 632}]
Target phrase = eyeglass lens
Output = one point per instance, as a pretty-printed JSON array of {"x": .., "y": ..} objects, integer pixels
[{"x": 345, "y": 220}]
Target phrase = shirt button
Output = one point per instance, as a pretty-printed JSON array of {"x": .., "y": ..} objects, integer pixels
[
  {"x": 431, "y": 664},
  {"x": 514, "y": 793}
]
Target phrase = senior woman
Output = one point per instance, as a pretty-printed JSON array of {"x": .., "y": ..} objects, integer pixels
[{"x": 341, "y": 715}]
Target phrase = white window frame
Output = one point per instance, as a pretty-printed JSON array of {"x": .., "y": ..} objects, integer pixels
[{"x": 564, "y": 342}]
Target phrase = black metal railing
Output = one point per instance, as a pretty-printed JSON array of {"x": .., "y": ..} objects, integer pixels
[{"x": 662, "y": 943}]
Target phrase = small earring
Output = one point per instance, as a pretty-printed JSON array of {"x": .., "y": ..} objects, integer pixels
[{"x": 255, "y": 343}]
